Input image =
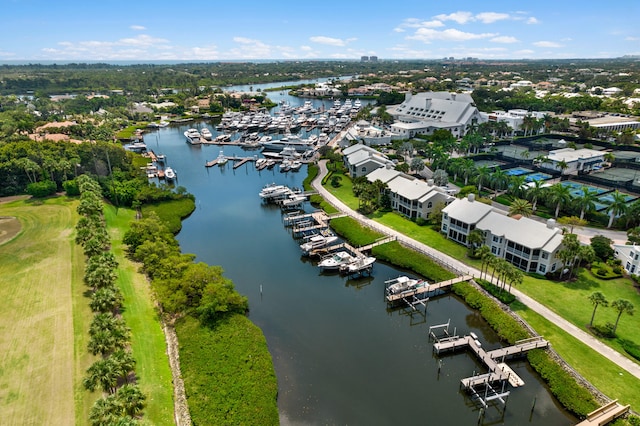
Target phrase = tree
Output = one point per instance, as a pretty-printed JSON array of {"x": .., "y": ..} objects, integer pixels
[
  {"x": 475, "y": 240},
  {"x": 131, "y": 399},
  {"x": 483, "y": 252},
  {"x": 482, "y": 176},
  {"x": 520, "y": 207},
  {"x": 102, "y": 374},
  {"x": 559, "y": 195},
  {"x": 586, "y": 201},
  {"x": 602, "y": 247},
  {"x": 622, "y": 306},
  {"x": 536, "y": 192},
  {"x": 440, "y": 178},
  {"x": 572, "y": 222},
  {"x": 617, "y": 207},
  {"x": 417, "y": 164},
  {"x": 597, "y": 298}
]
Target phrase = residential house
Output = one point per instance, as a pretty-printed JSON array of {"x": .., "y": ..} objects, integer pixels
[
  {"x": 361, "y": 160},
  {"x": 526, "y": 243},
  {"x": 410, "y": 196},
  {"x": 630, "y": 257}
]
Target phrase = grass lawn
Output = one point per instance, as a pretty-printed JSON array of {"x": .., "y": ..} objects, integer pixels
[
  {"x": 600, "y": 371},
  {"x": 41, "y": 270},
  {"x": 147, "y": 339},
  {"x": 571, "y": 301}
]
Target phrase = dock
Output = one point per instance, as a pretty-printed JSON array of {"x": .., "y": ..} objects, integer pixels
[
  {"x": 428, "y": 288},
  {"x": 605, "y": 414}
]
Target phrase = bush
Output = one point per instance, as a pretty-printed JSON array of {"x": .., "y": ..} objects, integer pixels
[
  {"x": 631, "y": 348},
  {"x": 42, "y": 189},
  {"x": 71, "y": 187}
]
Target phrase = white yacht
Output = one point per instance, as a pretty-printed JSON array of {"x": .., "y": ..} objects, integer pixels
[
  {"x": 193, "y": 136},
  {"x": 169, "y": 174},
  {"x": 402, "y": 284},
  {"x": 336, "y": 260},
  {"x": 316, "y": 242},
  {"x": 206, "y": 133},
  {"x": 273, "y": 191},
  {"x": 359, "y": 265},
  {"x": 222, "y": 160}
]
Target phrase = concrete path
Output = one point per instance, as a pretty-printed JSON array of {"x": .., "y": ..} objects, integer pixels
[{"x": 623, "y": 362}]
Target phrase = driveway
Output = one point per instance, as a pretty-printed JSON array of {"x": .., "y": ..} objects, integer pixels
[{"x": 462, "y": 268}]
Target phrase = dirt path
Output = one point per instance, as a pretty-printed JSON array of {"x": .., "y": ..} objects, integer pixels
[{"x": 623, "y": 362}]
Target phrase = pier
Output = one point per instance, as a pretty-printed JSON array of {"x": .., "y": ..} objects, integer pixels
[
  {"x": 426, "y": 288},
  {"x": 605, "y": 414}
]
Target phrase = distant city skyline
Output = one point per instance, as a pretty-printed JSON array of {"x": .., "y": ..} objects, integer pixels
[{"x": 138, "y": 31}]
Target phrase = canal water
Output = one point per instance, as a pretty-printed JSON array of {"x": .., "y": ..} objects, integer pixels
[{"x": 341, "y": 356}]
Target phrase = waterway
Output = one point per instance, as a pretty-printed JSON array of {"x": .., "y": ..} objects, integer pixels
[{"x": 341, "y": 356}]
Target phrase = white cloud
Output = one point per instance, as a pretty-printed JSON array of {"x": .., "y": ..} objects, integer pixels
[
  {"x": 459, "y": 17},
  {"x": 142, "y": 40},
  {"x": 491, "y": 17},
  {"x": 504, "y": 39},
  {"x": 137, "y": 27},
  {"x": 418, "y": 23},
  {"x": 543, "y": 43},
  {"x": 330, "y": 41},
  {"x": 532, "y": 20},
  {"x": 427, "y": 35},
  {"x": 306, "y": 48},
  {"x": 630, "y": 38}
]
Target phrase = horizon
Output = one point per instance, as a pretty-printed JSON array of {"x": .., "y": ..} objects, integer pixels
[{"x": 37, "y": 31}]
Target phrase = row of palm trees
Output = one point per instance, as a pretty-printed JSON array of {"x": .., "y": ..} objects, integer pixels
[
  {"x": 109, "y": 337},
  {"x": 501, "y": 270},
  {"x": 621, "y": 306}
]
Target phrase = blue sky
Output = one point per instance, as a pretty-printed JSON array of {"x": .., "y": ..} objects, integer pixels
[{"x": 194, "y": 30}]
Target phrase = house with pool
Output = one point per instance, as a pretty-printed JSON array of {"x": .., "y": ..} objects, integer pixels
[
  {"x": 525, "y": 243},
  {"x": 410, "y": 196}
]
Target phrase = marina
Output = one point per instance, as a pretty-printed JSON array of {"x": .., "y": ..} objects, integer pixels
[{"x": 331, "y": 350}]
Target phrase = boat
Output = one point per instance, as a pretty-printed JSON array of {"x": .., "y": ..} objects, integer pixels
[
  {"x": 285, "y": 166},
  {"x": 169, "y": 174},
  {"x": 294, "y": 141},
  {"x": 295, "y": 165},
  {"x": 193, "y": 136},
  {"x": 273, "y": 191},
  {"x": 317, "y": 241},
  {"x": 293, "y": 200},
  {"x": 336, "y": 260},
  {"x": 222, "y": 138},
  {"x": 206, "y": 133},
  {"x": 359, "y": 265},
  {"x": 136, "y": 147},
  {"x": 402, "y": 284},
  {"x": 161, "y": 158},
  {"x": 163, "y": 123},
  {"x": 222, "y": 160}
]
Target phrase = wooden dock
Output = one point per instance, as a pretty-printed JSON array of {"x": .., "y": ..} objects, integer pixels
[
  {"x": 211, "y": 163},
  {"x": 391, "y": 298},
  {"x": 605, "y": 414},
  {"x": 497, "y": 371},
  {"x": 237, "y": 163}
]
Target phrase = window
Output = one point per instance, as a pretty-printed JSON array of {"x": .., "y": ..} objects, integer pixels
[
  {"x": 364, "y": 169},
  {"x": 543, "y": 268},
  {"x": 429, "y": 204},
  {"x": 545, "y": 255},
  {"x": 444, "y": 228}
]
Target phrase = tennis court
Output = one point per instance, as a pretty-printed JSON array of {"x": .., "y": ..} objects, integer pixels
[
  {"x": 518, "y": 171},
  {"x": 532, "y": 177}
]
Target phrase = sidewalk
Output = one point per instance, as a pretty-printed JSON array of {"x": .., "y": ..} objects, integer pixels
[{"x": 461, "y": 268}]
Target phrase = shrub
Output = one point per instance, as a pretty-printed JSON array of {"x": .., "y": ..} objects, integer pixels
[
  {"x": 71, "y": 187},
  {"x": 42, "y": 189},
  {"x": 631, "y": 348}
]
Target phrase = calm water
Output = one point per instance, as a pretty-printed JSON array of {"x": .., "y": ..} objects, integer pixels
[{"x": 341, "y": 357}]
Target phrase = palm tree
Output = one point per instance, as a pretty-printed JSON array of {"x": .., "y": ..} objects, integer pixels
[
  {"x": 622, "y": 306},
  {"x": 482, "y": 176},
  {"x": 516, "y": 185},
  {"x": 483, "y": 253},
  {"x": 536, "y": 192},
  {"x": 131, "y": 399},
  {"x": 499, "y": 179},
  {"x": 125, "y": 363},
  {"x": 106, "y": 299},
  {"x": 102, "y": 374},
  {"x": 562, "y": 165},
  {"x": 597, "y": 298},
  {"x": 586, "y": 201},
  {"x": 559, "y": 195},
  {"x": 475, "y": 240},
  {"x": 104, "y": 412},
  {"x": 617, "y": 207},
  {"x": 520, "y": 207},
  {"x": 468, "y": 169}
]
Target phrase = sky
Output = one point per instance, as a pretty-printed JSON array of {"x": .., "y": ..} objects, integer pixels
[{"x": 214, "y": 30}]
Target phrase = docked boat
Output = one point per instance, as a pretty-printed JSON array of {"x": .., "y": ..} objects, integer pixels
[
  {"x": 361, "y": 264},
  {"x": 206, "y": 133},
  {"x": 169, "y": 174},
  {"x": 336, "y": 260},
  {"x": 193, "y": 136},
  {"x": 161, "y": 158},
  {"x": 316, "y": 242},
  {"x": 402, "y": 284},
  {"x": 294, "y": 141},
  {"x": 222, "y": 160},
  {"x": 285, "y": 166},
  {"x": 295, "y": 165},
  {"x": 273, "y": 191}
]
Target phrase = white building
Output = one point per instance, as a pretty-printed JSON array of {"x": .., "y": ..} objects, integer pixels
[
  {"x": 424, "y": 113},
  {"x": 361, "y": 160},
  {"x": 410, "y": 196},
  {"x": 630, "y": 257},
  {"x": 514, "y": 117},
  {"x": 576, "y": 160},
  {"x": 526, "y": 243},
  {"x": 363, "y": 131}
]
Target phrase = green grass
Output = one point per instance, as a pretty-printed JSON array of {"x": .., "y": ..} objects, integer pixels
[
  {"x": 147, "y": 338},
  {"x": 41, "y": 283},
  {"x": 228, "y": 373},
  {"x": 571, "y": 301},
  {"x": 604, "y": 374}
]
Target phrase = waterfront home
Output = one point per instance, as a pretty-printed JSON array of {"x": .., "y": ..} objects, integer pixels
[
  {"x": 630, "y": 257},
  {"x": 410, "y": 196},
  {"x": 364, "y": 132},
  {"x": 526, "y": 243},
  {"x": 424, "y": 113},
  {"x": 361, "y": 160}
]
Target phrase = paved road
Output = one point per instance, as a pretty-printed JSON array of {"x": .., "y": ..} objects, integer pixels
[{"x": 623, "y": 362}]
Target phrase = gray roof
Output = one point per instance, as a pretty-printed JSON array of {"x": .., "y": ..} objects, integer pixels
[
  {"x": 437, "y": 107},
  {"x": 383, "y": 174},
  {"x": 528, "y": 232},
  {"x": 467, "y": 211}
]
